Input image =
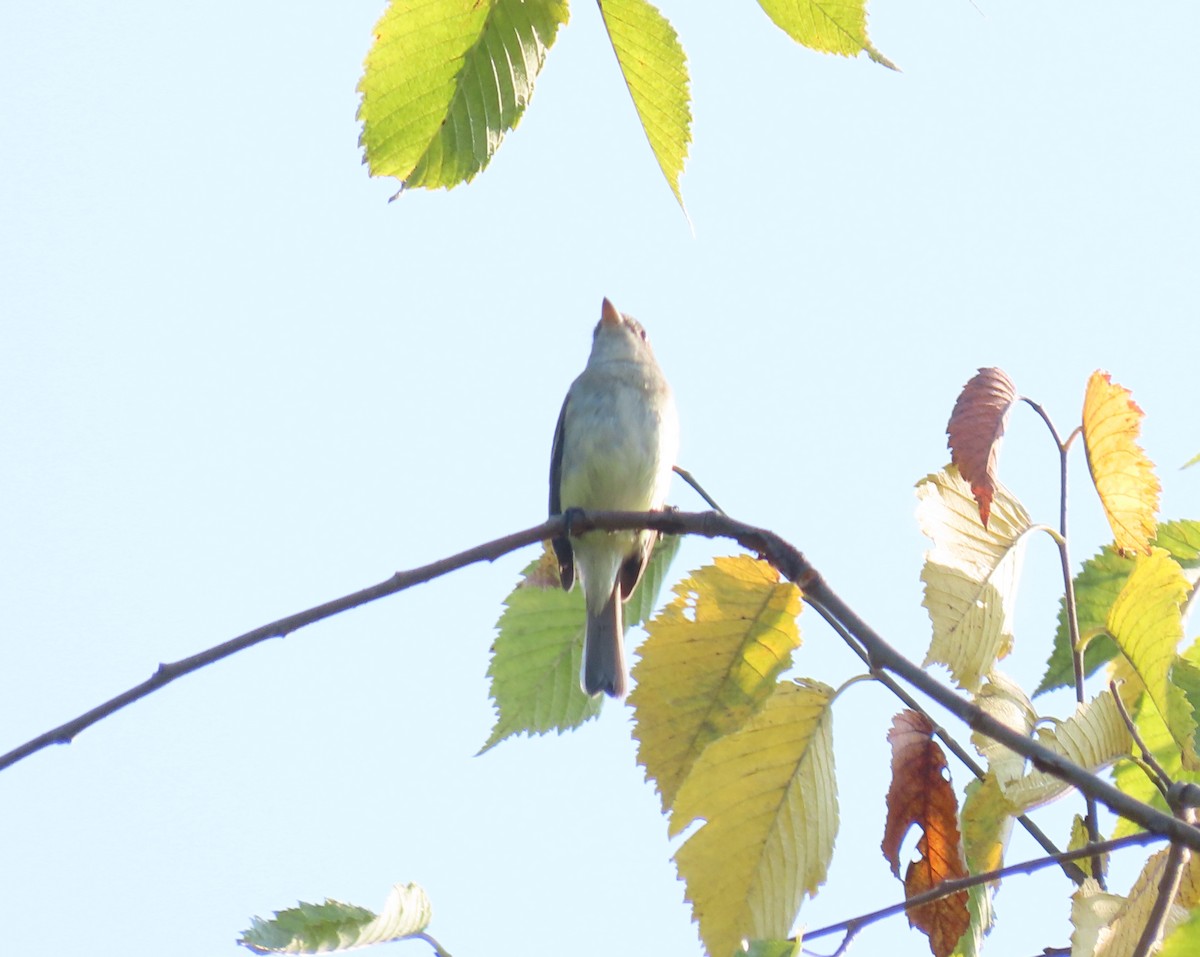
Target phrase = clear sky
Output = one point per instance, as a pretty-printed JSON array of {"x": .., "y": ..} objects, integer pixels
[{"x": 236, "y": 382}]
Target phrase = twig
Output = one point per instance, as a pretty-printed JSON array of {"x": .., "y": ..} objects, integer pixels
[
  {"x": 947, "y": 888},
  {"x": 783, "y": 556},
  {"x": 1156, "y": 772},
  {"x": 1072, "y": 612},
  {"x": 691, "y": 480},
  {"x": 1168, "y": 888}
]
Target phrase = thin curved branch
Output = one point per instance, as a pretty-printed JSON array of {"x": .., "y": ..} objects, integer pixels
[
  {"x": 783, "y": 556},
  {"x": 946, "y": 888}
]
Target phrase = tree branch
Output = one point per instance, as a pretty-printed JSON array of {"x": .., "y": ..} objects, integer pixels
[
  {"x": 946, "y": 888},
  {"x": 783, "y": 556}
]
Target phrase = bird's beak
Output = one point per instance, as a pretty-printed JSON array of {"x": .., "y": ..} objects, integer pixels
[{"x": 609, "y": 315}]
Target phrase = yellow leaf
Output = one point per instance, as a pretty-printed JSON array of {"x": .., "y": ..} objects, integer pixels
[
  {"x": 1080, "y": 836},
  {"x": 1146, "y": 623},
  {"x": 768, "y": 798},
  {"x": 711, "y": 659},
  {"x": 1107, "y": 925},
  {"x": 1004, "y": 700},
  {"x": 987, "y": 819},
  {"x": 1093, "y": 737},
  {"x": 970, "y": 574},
  {"x": 1123, "y": 476}
]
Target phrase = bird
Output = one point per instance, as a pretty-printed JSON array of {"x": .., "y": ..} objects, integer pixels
[{"x": 615, "y": 446}]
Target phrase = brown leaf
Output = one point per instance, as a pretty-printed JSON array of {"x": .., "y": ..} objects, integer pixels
[
  {"x": 920, "y": 794},
  {"x": 975, "y": 429}
]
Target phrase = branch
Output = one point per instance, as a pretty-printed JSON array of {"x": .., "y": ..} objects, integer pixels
[
  {"x": 167, "y": 673},
  {"x": 784, "y": 557},
  {"x": 946, "y": 888}
]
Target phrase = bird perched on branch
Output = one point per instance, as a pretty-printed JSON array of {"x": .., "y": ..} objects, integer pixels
[{"x": 614, "y": 448}]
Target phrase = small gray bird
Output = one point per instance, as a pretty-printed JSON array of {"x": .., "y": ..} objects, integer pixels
[{"x": 614, "y": 448}]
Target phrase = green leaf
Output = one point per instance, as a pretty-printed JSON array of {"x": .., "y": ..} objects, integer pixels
[
  {"x": 333, "y": 926},
  {"x": 1184, "y": 940},
  {"x": 1192, "y": 461},
  {"x": 1145, "y": 621},
  {"x": 979, "y": 906},
  {"x": 446, "y": 79},
  {"x": 1096, "y": 588},
  {"x": 539, "y": 649},
  {"x": 827, "y": 26},
  {"x": 655, "y": 70},
  {"x": 768, "y": 799},
  {"x": 1153, "y": 731},
  {"x": 775, "y": 948},
  {"x": 710, "y": 662},
  {"x": 970, "y": 574},
  {"x": 537, "y": 656},
  {"x": 1106, "y": 924}
]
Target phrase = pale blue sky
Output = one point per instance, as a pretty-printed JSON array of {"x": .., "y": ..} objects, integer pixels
[{"x": 237, "y": 382}]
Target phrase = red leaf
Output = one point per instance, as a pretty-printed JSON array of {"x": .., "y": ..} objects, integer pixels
[
  {"x": 975, "y": 429},
  {"x": 920, "y": 794}
]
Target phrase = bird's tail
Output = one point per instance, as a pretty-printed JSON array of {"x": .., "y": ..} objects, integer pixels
[{"x": 604, "y": 650}]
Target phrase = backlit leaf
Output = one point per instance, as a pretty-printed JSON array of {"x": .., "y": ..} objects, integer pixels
[
  {"x": 1080, "y": 838},
  {"x": 655, "y": 70},
  {"x": 537, "y": 654},
  {"x": 921, "y": 795},
  {"x": 1184, "y": 940},
  {"x": 710, "y": 662},
  {"x": 1107, "y": 925},
  {"x": 1123, "y": 476},
  {"x": 1154, "y": 733},
  {"x": 829, "y": 26},
  {"x": 1096, "y": 588},
  {"x": 975, "y": 429},
  {"x": 334, "y": 927},
  {"x": 446, "y": 79},
  {"x": 1093, "y": 737},
  {"x": 768, "y": 798},
  {"x": 1004, "y": 700},
  {"x": 970, "y": 574},
  {"x": 1146, "y": 623}
]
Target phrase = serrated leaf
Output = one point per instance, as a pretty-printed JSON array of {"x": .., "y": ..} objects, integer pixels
[
  {"x": 975, "y": 429},
  {"x": 768, "y": 798},
  {"x": 539, "y": 649},
  {"x": 655, "y": 70},
  {"x": 536, "y": 657},
  {"x": 1146, "y": 623},
  {"x": 979, "y": 908},
  {"x": 711, "y": 660},
  {"x": 1096, "y": 588},
  {"x": 827, "y": 26},
  {"x": 444, "y": 80},
  {"x": 1093, "y": 737},
  {"x": 334, "y": 927},
  {"x": 1123, "y": 476},
  {"x": 970, "y": 574},
  {"x": 1128, "y": 776},
  {"x": 1107, "y": 925},
  {"x": 921, "y": 795}
]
